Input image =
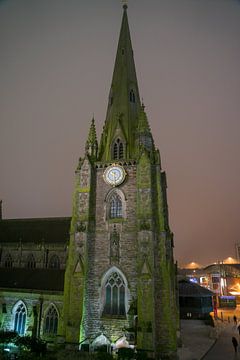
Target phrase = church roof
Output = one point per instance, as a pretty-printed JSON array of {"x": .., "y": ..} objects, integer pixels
[
  {"x": 32, "y": 279},
  {"x": 48, "y": 230}
]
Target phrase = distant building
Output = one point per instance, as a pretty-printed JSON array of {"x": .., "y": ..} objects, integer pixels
[
  {"x": 222, "y": 278},
  {"x": 195, "y": 302}
]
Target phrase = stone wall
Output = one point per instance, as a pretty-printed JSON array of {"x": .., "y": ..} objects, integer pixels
[{"x": 99, "y": 254}]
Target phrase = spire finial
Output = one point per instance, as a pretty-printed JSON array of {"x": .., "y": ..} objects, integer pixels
[{"x": 125, "y": 6}]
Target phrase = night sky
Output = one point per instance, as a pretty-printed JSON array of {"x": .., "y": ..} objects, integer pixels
[{"x": 56, "y": 63}]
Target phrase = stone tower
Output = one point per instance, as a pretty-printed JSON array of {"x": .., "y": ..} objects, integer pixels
[{"x": 120, "y": 275}]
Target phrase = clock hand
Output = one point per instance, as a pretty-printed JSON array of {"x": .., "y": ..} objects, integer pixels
[{"x": 113, "y": 174}]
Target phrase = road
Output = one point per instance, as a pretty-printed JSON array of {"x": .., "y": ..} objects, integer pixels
[{"x": 223, "y": 348}]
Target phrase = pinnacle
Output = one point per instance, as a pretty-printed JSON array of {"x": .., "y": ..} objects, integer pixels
[
  {"x": 91, "y": 147},
  {"x": 92, "y": 136}
]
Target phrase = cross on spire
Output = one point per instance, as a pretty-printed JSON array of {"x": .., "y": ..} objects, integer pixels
[{"x": 125, "y": 4}]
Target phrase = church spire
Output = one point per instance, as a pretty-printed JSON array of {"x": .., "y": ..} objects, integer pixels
[{"x": 124, "y": 101}]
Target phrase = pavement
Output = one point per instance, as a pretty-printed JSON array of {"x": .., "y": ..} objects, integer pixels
[
  {"x": 203, "y": 342},
  {"x": 196, "y": 339},
  {"x": 223, "y": 348}
]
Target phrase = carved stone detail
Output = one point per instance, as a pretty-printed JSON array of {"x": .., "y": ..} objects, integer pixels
[{"x": 114, "y": 246}]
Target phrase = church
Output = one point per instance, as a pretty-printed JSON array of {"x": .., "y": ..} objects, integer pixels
[{"x": 106, "y": 274}]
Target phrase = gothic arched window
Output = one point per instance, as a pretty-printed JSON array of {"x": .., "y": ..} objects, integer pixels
[
  {"x": 114, "y": 288},
  {"x": 118, "y": 149},
  {"x": 51, "y": 321},
  {"x": 31, "y": 263},
  {"x": 20, "y": 314},
  {"x": 8, "y": 262},
  {"x": 116, "y": 209},
  {"x": 132, "y": 96},
  {"x": 54, "y": 262}
]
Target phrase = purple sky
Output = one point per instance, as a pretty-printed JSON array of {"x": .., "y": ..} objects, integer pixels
[{"x": 56, "y": 63}]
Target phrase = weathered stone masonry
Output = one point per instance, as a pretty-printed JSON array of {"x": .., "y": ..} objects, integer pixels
[{"x": 120, "y": 275}]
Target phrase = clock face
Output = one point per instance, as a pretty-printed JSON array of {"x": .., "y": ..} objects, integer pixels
[{"x": 114, "y": 175}]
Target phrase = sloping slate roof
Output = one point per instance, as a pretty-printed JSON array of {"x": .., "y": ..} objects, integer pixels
[
  {"x": 27, "y": 279},
  {"x": 50, "y": 230},
  {"x": 187, "y": 288}
]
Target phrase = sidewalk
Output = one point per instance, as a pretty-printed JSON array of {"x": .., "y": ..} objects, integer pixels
[
  {"x": 197, "y": 339},
  {"x": 223, "y": 348}
]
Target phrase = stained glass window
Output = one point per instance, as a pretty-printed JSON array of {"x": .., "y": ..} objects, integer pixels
[
  {"x": 115, "y": 206},
  {"x": 114, "y": 295},
  {"x": 51, "y": 321},
  {"x": 20, "y": 319}
]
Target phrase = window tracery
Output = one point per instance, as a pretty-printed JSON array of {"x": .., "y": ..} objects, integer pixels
[
  {"x": 8, "y": 263},
  {"x": 31, "y": 263},
  {"x": 114, "y": 295},
  {"x": 116, "y": 209},
  {"x": 51, "y": 321},
  {"x": 118, "y": 150},
  {"x": 54, "y": 262},
  {"x": 20, "y": 314}
]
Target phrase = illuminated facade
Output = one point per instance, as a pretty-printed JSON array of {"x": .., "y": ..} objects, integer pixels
[
  {"x": 33, "y": 255},
  {"x": 120, "y": 277},
  {"x": 120, "y": 274}
]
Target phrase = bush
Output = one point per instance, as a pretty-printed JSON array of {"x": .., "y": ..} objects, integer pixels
[
  {"x": 102, "y": 356},
  {"x": 74, "y": 355},
  {"x": 36, "y": 346},
  {"x": 7, "y": 337},
  {"x": 125, "y": 354},
  {"x": 141, "y": 355},
  {"x": 26, "y": 344},
  {"x": 26, "y": 355}
]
